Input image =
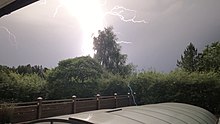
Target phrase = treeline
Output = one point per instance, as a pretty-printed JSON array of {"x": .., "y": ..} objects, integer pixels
[
  {"x": 206, "y": 61},
  {"x": 201, "y": 89},
  {"x": 26, "y": 69},
  {"x": 196, "y": 80},
  {"x": 16, "y": 86},
  {"x": 80, "y": 76}
]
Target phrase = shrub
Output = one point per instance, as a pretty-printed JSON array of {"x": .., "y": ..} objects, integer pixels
[
  {"x": 201, "y": 89},
  {"x": 6, "y": 113}
]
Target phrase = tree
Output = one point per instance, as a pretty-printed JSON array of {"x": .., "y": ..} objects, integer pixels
[
  {"x": 28, "y": 69},
  {"x": 209, "y": 59},
  {"x": 107, "y": 52},
  {"x": 15, "y": 87},
  {"x": 189, "y": 60},
  {"x": 76, "y": 76}
]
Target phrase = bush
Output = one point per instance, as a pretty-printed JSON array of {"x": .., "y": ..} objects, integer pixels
[
  {"x": 201, "y": 89},
  {"x": 21, "y": 88},
  {"x": 113, "y": 84},
  {"x": 78, "y": 76},
  {"x": 6, "y": 113}
]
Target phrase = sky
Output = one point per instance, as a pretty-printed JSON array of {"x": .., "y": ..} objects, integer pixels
[{"x": 153, "y": 33}]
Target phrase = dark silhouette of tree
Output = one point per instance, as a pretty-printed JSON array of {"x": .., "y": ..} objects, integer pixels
[
  {"x": 28, "y": 69},
  {"x": 4, "y": 68},
  {"x": 107, "y": 52},
  {"x": 189, "y": 59}
]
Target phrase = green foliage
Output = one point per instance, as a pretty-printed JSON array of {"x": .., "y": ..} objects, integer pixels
[
  {"x": 31, "y": 86},
  {"x": 201, "y": 89},
  {"x": 111, "y": 84},
  {"x": 209, "y": 60},
  {"x": 28, "y": 69},
  {"x": 196, "y": 82},
  {"x": 142, "y": 84},
  {"x": 6, "y": 86},
  {"x": 15, "y": 87},
  {"x": 107, "y": 52},
  {"x": 189, "y": 60},
  {"x": 76, "y": 76},
  {"x": 5, "y": 68},
  {"x": 81, "y": 68},
  {"x": 6, "y": 113}
]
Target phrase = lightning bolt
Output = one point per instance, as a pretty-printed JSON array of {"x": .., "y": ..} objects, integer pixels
[
  {"x": 119, "y": 10},
  {"x": 122, "y": 41},
  {"x": 132, "y": 94},
  {"x": 125, "y": 42},
  {"x": 91, "y": 26},
  {"x": 115, "y": 11},
  {"x": 11, "y": 36}
]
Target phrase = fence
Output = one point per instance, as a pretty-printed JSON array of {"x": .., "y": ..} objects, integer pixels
[{"x": 27, "y": 111}]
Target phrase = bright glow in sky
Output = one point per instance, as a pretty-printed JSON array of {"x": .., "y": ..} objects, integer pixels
[{"x": 90, "y": 16}]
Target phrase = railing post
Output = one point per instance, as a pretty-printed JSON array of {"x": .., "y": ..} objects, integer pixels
[
  {"x": 116, "y": 101},
  {"x": 98, "y": 101},
  {"x": 39, "y": 107},
  {"x": 73, "y": 104}
]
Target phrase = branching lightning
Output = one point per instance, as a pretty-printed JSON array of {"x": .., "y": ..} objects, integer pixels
[
  {"x": 115, "y": 11},
  {"x": 119, "y": 10},
  {"x": 92, "y": 18},
  {"x": 11, "y": 36}
]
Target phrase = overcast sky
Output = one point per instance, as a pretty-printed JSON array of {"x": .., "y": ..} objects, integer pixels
[{"x": 47, "y": 32}]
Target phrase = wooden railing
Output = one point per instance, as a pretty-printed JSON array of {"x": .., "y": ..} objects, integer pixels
[{"x": 48, "y": 108}]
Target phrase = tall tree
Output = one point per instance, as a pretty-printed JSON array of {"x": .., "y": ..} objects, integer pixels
[
  {"x": 209, "y": 59},
  {"x": 107, "y": 52},
  {"x": 189, "y": 59}
]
